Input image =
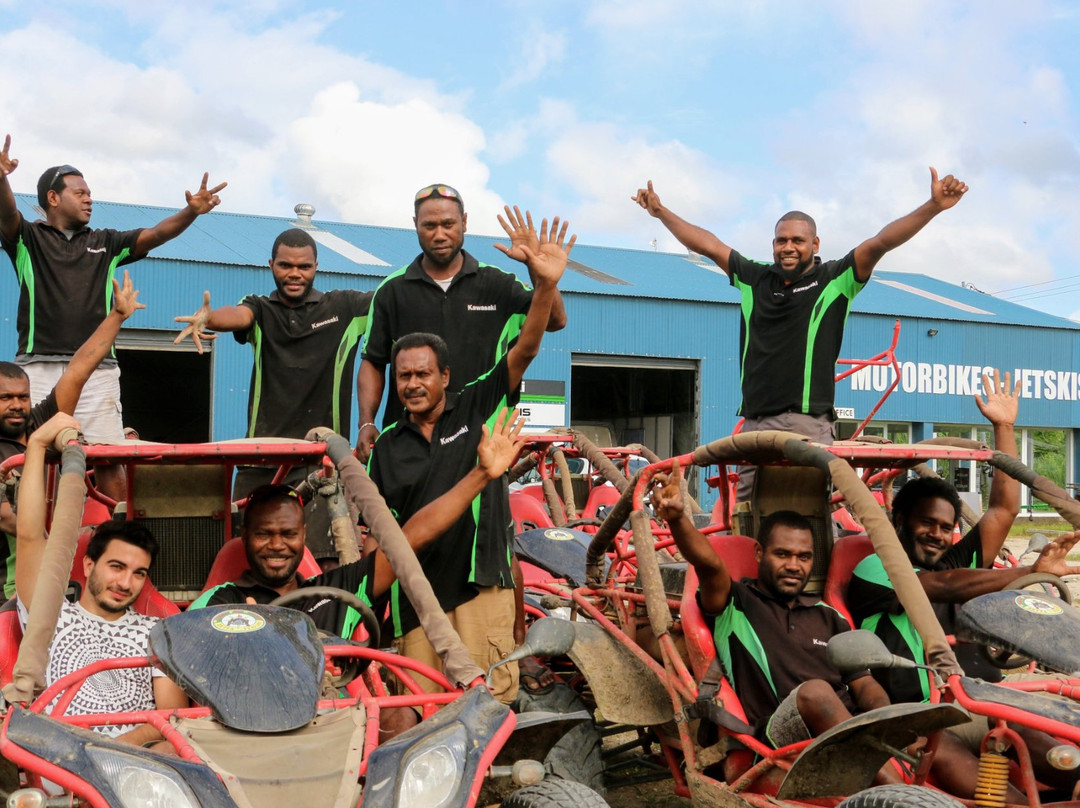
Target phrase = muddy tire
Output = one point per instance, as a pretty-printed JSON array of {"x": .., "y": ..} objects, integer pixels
[
  {"x": 555, "y": 792},
  {"x": 577, "y": 755},
  {"x": 900, "y": 796}
]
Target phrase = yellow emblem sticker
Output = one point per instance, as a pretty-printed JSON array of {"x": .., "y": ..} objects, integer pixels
[
  {"x": 1036, "y": 605},
  {"x": 555, "y": 534},
  {"x": 237, "y": 621}
]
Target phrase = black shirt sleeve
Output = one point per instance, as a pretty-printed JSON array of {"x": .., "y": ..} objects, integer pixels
[
  {"x": 377, "y": 340},
  {"x": 253, "y": 302}
]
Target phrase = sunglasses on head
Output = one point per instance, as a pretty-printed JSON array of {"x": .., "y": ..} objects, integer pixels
[
  {"x": 61, "y": 171},
  {"x": 445, "y": 191}
]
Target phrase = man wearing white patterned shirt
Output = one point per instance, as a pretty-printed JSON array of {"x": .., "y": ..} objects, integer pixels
[{"x": 102, "y": 624}]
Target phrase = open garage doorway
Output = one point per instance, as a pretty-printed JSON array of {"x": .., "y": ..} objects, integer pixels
[
  {"x": 646, "y": 400},
  {"x": 166, "y": 389}
]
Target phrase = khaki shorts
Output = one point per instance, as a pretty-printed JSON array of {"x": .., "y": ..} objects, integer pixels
[
  {"x": 486, "y": 626},
  {"x": 816, "y": 427},
  {"x": 98, "y": 412}
]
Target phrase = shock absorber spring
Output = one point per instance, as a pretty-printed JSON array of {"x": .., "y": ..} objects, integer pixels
[{"x": 993, "y": 780}]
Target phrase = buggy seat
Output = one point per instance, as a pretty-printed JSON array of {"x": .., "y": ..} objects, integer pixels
[{"x": 846, "y": 555}]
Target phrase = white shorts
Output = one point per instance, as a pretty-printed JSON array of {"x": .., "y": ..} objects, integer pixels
[{"x": 98, "y": 412}]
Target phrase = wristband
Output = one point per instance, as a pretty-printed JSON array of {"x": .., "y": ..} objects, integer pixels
[{"x": 367, "y": 424}]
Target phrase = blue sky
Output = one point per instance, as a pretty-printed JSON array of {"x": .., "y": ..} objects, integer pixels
[{"x": 737, "y": 110}]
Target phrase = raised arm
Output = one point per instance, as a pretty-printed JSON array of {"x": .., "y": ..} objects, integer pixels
[
  {"x": 205, "y": 319},
  {"x": 10, "y": 218},
  {"x": 1000, "y": 408},
  {"x": 712, "y": 572},
  {"x": 944, "y": 194},
  {"x": 546, "y": 267},
  {"x": 198, "y": 203},
  {"x": 370, "y": 384},
  {"x": 30, "y": 519},
  {"x": 522, "y": 233},
  {"x": 689, "y": 235},
  {"x": 961, "y": 585},
  {"x": 90, "y": 353},
  {"x": 498, "y": 448}
]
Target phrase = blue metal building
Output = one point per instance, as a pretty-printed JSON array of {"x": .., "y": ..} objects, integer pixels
[{"x": 650, "y": 351}]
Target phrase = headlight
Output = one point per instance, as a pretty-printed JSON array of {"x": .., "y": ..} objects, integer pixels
[
  {"x": 431, "y": 773},
  {"x": 141, "y": 782}
]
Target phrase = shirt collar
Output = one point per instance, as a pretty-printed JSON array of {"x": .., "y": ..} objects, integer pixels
[
  {"x": 313, "y": 296},
  {"x": 246, "y": 579},
  {"x": 415, "y": 271},
  {"x": 404, "y": 422},
  {"x": 800, "y": 601}
]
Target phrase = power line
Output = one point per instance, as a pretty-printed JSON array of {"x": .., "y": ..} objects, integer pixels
[{"x": 1029, "y": 285}]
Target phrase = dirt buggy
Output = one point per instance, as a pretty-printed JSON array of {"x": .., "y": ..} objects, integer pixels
[
  {"x": 645, "y": 648},
  {"x": 281, "y": 716}
]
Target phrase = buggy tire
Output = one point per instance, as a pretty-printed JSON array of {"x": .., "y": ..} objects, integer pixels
[
  {"x": 577, "y": 755},
  {"x": 554, "y": 792},
  {"x": 900, "y": 796}
]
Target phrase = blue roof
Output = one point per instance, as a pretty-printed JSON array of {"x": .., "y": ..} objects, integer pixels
[{"x": 245, "y": 239}]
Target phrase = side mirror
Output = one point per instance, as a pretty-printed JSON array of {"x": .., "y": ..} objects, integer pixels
[
  {"x": 547, "y": 637},
  {"x": 860, "y": 649}
]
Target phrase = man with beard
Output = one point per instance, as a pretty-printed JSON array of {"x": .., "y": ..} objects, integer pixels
[
  {"x": 769, "y": 636},
  {"x": 304, "y": 342},
  {"x": 102, "y": 624},
  {"x": 476, "y": 308},
  {"x": 794, "y": 310},
  {"x": 925, "y": 512},
  {"x": 64, "y": 269},
  {"x": 18, "y": 419}
]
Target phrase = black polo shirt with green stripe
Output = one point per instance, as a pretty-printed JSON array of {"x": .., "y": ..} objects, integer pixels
[
  {"x": 769, "y": 647},
  {"x": 329, "y": 614},
  {"x": 65, "y": 285},
  {"x": 874, "y": 606},
  {"x": 411, "y": 471},
  {"x": 790, "y": 335},
  {"x": 479, "y": 316},
  {"x": 302, "y": 376}
]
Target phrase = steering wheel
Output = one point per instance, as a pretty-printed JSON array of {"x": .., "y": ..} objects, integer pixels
[
  {"x": 1003, "y": 659},
  {"x": 353, "y": 666}
]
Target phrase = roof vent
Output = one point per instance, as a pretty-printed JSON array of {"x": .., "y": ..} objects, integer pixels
[{"x": 304, "y": 212}]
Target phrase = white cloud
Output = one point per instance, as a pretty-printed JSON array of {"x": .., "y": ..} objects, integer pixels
[
  {"x": 603, "y": 167},
  {"x": 537, "y": 48},
  {"x": 364, "y": 158},
  {"x": 280, "y": 115}
]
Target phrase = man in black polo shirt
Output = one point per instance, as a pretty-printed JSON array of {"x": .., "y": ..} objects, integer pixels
[
  {"x": 432, "y": 446},
  {"x": 925, "y": 513},
  {"x": 478, "y": 309},
  {"x": 770, "y": 637},
  {"x": 18, "y": 420},
  {"x": 794, "y": 310},
  {"x": 274, "y": 536},
  {"x": 304, "y": 343},
  {"x": 65, "y": 269}
]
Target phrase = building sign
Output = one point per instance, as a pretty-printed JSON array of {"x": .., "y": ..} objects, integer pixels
[
  {"x": 543, "y": 403},
  {"x": 843, "y": 413},
  {"x": 935, "y": 379}
]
